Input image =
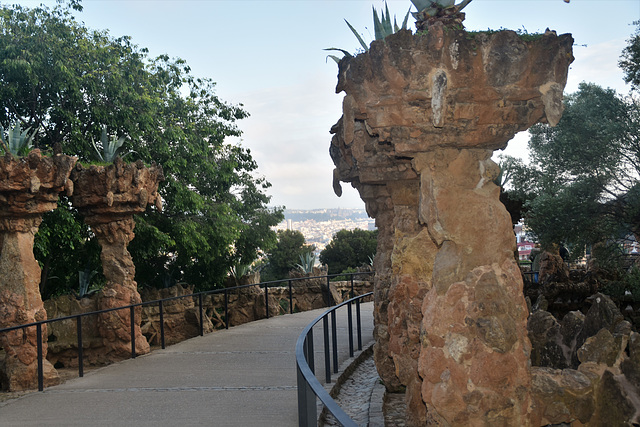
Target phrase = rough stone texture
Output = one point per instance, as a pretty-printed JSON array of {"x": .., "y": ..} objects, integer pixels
[
  {"x": 565, "y": 396},
  {"x": 605, "y": 390},
  {"x": 547, "y": 346},
  {"x": 421, "y": 117},
  {"x": 553, "y": 268},
  {"x": 29, "y": 187},
  {"x": 108, "y": 197},
  {"x": 181, "y": 316}
]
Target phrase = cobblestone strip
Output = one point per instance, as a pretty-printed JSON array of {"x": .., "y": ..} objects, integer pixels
[{"x": 354, "y": 396}]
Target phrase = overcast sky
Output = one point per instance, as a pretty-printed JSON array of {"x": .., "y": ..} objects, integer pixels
[{"x": 268, "y": 56}]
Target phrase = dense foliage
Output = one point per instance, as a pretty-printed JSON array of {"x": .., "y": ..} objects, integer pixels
[
  {"x": 581, "y": 188},
  {"x": 285, "y": 255},
  {"x": 582, "y": 182},
  {"x": 68, "y": 82},
  {"x": 349, "y": 249}
]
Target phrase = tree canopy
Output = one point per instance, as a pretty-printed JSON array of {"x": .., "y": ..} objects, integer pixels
[
  {"x": 285, "y": 255},
  {"x": 67, "y": 82},
  {"x": 349, "y": 249},
  {"x": 582, "y": 181}
]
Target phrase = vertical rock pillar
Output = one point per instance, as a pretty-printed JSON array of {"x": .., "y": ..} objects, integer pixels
[
  {"x": 421, "y": 117},
  {"x": 29, "y": 187},
  {"x": 108, "y": 197}
]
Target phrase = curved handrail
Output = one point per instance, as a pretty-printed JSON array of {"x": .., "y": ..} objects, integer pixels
[
  {"x": 307, "y": 381},
  {"x": 131, "y": 307}
]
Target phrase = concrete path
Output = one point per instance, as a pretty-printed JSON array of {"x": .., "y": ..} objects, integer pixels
[{"x": 244, "y": 376}]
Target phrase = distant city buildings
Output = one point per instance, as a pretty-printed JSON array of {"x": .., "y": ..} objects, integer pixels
[{"x": 319, "y": 225}]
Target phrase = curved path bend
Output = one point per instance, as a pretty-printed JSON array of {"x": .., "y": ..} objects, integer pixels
[{"x": 243, "y": 376}]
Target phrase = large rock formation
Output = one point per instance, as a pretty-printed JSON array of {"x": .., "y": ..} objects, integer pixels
[
  {"x": 421, "y": 117},
  {"x": 108, "y": 197},
  {"x": 602, "y": 384},
  {"x": 29, "y": 187}
]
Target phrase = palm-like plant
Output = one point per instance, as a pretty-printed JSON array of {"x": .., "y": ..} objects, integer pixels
[
  {"x": 110, "y": 147},
  {"x": 16, "y": 141},
  {"x": 382, "y": 28},
  {"x": 307, "y": 262}
]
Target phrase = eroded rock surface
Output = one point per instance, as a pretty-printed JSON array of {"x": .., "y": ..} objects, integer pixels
[
  {"x": 108, "y": 197},
  {"x": 29, "y": 187},
  {"x": 421, "y": 117}
]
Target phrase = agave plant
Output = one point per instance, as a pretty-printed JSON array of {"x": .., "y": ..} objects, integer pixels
[
  {"x": 16, "y": 141},
  {"x": 84, "y": 281},
  {"x": 432, "y": 8},
  {"x": 307, "y": 262},
  {"x": 110, "y": 147},
  {"x": 382, "y": 27},
  {"x": 239, "y": 270}
]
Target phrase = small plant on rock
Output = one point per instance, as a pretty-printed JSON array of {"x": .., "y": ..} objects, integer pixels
[
  {"x": 84, "y": 283},
  {"x": 109, "y": 147},
  {"x": 382, "y": 27},
  {"x": 16, "y": 141},
  {"x": 307, "y": 262}
]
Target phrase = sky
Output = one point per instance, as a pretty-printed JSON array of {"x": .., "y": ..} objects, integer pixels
[{"x": 269, "y": 57}]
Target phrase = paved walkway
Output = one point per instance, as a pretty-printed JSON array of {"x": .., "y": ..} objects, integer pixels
[{"x": 244, "y": 376}]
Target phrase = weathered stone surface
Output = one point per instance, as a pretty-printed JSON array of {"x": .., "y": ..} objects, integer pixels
[
  {"x": 181, "y": 316},
  {"x": 421, "y": 117},
  {"x": 565, "y": 396},
  {"x": 616, "y": 402},
  {"x": 546, "y": 341},
  {"x": 108, "y": 197},
  {"x": 602, "y": 348},
  {"x": 602, "y": 314},
  {"x": 29, "y": 187},
  {"x": 552, "y": 268}
]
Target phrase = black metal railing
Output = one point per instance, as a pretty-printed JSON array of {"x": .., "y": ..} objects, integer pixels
[
  {"x": 308, "y": 385},
  {"x": 160, "y": 303}
]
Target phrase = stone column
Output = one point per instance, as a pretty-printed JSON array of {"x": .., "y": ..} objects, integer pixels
[
  {"x": 108, "y": 197},
  {"x": 421, "y": 117},
  {"x": 29, "y": 187}
]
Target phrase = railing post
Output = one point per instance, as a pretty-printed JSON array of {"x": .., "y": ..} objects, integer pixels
[
  {"x": 160, "y": 308},
  {"x": 353, "y": 294},
  {"x": 327, "y": 357},
  {"x": 330, "y": 301},
  {"x": 334, "y": 341},
  {"x": 226, "y": 308},
  {"x": 133, "y": 331},
  {"x": 307, "y": 410},
  {"x": 266, "y": 299},
  {"x": 350, "y": 326},
  {"x": 201, "y": 316},
  {"x": 39, "y": 347},
  {"x": 358, "y": 324},
  {"x": 310, "y": 356},
  {"x": 290, "y": 298},
  {"x": 80, "y": 349}
]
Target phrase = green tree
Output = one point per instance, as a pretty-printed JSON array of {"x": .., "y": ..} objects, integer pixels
[
  {"x": 584, "y": 172},
  {"x": 630, "y": 59},
  {"x": 284, "y": 257},
  {"x": 68, "y": 81},
  {"x": 349, "y": 249}
]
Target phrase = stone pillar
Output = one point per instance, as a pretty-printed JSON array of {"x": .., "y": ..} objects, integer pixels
[
  {"x": 29, "y": 187},
  {"x": 108, "y": 197},
  {"x": 421, "y": 117}
]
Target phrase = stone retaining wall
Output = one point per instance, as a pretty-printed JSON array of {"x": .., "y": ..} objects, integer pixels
[{"x": 182, "y": 316}]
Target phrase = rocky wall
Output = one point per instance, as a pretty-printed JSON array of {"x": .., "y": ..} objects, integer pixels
[
  {"x": 422, "y": 115},
  {"x": 108, "y": 197},
  {"x": 29, "y": 187},
  {"x": 181, "y": 316}
]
